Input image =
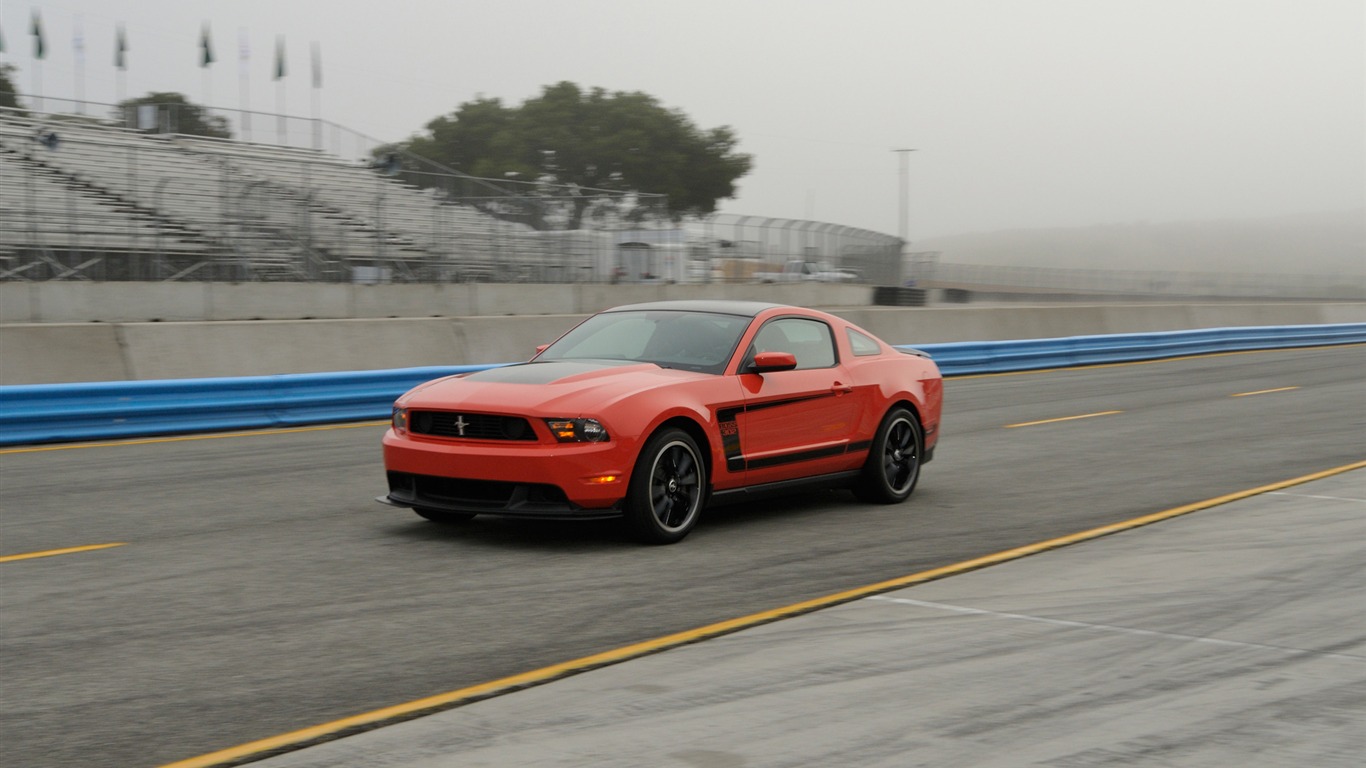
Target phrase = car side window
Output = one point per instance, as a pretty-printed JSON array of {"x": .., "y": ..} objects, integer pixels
[
  {"x": 810, "y": 341},
  {"x": 862, "y": 345}
]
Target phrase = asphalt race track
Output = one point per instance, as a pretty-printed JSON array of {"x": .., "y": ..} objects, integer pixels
[{"x": 259, "y": 589}]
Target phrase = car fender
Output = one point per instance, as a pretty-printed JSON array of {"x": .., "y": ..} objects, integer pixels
[
  {"x": 644, "y": 413},
  {"x": 919, "y": 385}
]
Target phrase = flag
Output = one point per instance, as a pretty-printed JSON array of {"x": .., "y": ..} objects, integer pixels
[
  {"x": 39, "y": 48},
  {"x": 317, "y": 66},
  {"x": 279, "y": 57},
  {"x": 120, "y": 49},
  {"x": 206, "y": 47}
]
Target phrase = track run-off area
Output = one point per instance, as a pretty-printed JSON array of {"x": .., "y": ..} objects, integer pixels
[{"x": 167, "y": 598}]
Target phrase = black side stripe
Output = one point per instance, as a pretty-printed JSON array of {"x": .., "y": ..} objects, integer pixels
[
  {"x": 730, "y": 438},
  {"x": 792, "y": 458}
]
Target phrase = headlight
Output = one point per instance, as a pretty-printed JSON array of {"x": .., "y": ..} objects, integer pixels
[
  {"x": 400, "y": 420},
  {"x": 577, "y": 430}
]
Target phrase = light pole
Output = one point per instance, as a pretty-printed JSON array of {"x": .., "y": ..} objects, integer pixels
[{"x": 904, "y": 231}]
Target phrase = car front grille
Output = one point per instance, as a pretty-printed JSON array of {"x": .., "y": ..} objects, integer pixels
[
  {"x": 472, "y": 426},
  {"x": 476, "y": 495}
]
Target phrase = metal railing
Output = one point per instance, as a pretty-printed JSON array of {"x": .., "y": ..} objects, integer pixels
[{"x": 741, "y": 247}]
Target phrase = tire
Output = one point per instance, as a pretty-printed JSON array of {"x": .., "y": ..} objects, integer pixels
[
  {"x": 668, "y": 486},
  {"x": 442, "y": 516},
  {"x": 893, "y": 465}
]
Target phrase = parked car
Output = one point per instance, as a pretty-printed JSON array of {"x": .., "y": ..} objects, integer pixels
[
  {"x": 797, "y": 270},
  {"x": 652, "y": 411}
]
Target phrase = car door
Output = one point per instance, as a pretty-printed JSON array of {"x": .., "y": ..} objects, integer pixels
[{"x": 799, "y": 422}]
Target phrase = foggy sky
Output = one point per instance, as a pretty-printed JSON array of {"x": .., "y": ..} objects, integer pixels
[{"x": 1038, "y": 113}]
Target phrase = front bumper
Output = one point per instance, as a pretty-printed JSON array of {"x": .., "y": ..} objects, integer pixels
[
  {"x": 578, "y": 480},
  {"x": 482, "y": 497}
]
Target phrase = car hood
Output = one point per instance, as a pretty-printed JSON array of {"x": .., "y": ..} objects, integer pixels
[{"x": 558, "y": 388}]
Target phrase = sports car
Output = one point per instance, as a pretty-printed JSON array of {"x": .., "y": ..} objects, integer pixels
[{"x": 650, "y": 412}]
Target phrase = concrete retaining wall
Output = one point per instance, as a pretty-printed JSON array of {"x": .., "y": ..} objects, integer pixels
[
  {"x": 85, "y": 302},
  {"x": 967, "y": 323},
  {"x": 43, "y": 354},
  {"x": 51, "y": 353}
]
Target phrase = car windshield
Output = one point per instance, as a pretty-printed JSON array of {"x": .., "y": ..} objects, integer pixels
[{"x": 694, "y": 341}]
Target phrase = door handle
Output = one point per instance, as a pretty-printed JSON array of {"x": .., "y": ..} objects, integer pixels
[{"x": 841, "y": 389}]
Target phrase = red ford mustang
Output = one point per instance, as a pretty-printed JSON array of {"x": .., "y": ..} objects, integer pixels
[{"x": 650, "y": 411}]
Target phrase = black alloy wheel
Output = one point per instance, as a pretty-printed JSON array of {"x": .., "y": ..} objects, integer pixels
[
  {"x": 893, "y": 465},
  {"x": 667, "y": 488}
]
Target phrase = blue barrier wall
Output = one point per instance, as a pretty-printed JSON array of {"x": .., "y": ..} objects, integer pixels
[
  {"x": 965, "y": 358},
  {"x": 44, "y": 413}
]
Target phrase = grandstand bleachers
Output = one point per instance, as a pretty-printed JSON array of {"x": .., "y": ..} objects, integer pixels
[
  {"x": 222, "y": 209},
  {"x": 108, "y": 203},
  {"x": 62, "y": 218}
]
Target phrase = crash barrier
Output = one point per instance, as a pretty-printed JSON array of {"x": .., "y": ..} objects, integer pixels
[
  {"x": 45, "y": 413},
  {"x": 966, "y": 358}
]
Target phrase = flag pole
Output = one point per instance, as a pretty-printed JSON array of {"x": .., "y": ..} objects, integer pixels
[
  {"x": 78, "y": 43},
  {"x": 121, "y": 67},
  {"x": 39, "y": 53},
  {"x": 280, "y": 89},
  {"x": 317, "y": 97},
  {"x": 205, "y": 59},
  {"x": 244, "y": 80}
]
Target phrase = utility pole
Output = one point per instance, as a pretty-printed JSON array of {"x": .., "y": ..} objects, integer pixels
[{"x": 904, "y": 231}]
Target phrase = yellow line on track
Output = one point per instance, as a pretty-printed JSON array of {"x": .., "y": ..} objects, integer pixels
[
  {"x": 1063, "y": 418},
  {"x": 1264, "y": 391},
  {"x": 55, "y": 552},
  {"x": 187, "y": 438},
  {"x": 368, "y": 720}
]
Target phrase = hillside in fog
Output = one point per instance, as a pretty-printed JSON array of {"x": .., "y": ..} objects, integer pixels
[{"x": 1318, "y": 244}]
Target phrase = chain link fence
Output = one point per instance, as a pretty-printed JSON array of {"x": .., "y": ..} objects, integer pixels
[{"x": 748, "y": 248}]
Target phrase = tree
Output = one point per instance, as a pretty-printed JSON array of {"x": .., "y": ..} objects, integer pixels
[
  {"x": 595, "y": 140},
  {"x": 176, "y": 112},
  {"x": 9, "y": 93}
]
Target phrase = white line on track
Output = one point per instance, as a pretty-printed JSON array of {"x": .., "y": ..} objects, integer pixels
[
  {"x": 1111, "y": 628},
  {"x": 1311, "y": 496}
]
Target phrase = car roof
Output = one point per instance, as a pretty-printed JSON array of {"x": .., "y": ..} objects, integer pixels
[{"x": 718, "y": 306}]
